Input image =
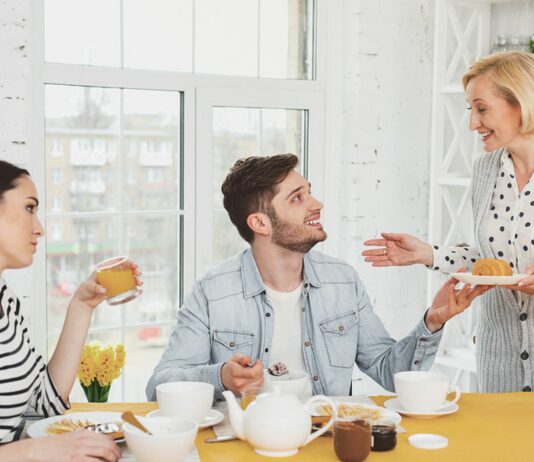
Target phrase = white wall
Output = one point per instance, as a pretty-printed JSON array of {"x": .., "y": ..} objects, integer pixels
[
  {"x": 387, "y": 84},
  {"x": 15, "y": 90},
  {"x": 14, "y": 80}
]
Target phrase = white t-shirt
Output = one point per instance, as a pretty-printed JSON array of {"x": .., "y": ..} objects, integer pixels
[{"x": 287, "y": 334}]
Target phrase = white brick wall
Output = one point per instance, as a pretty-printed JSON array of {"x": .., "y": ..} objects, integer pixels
[
  {"x": 385, "y": 163},
  {"x": 14, "y": 80}
]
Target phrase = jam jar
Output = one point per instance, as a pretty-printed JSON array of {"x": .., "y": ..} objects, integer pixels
[{"x": 383, "y": 436}]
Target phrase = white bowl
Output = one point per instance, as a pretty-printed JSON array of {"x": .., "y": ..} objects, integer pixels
[
  {"x": 294, "y": 382},
  {"x": 171, "y": 441}
]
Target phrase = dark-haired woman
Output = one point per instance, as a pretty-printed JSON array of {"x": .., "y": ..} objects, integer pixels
[{"x": 25, "y": 380}]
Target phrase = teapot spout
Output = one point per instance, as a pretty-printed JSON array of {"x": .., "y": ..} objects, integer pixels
[{"x": 236, "y": 414}]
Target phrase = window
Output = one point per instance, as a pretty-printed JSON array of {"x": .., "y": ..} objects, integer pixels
[
  {"x": 269, "y": 38},
  {"x": 56, "y": 148},
  {"x": 148, "y": 125},
  {"x": 57, "y": 204},
  {"x": 57, "y": 176}
]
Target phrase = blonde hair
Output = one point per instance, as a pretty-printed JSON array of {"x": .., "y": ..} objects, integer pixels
[{"x": 512, "y": 73}]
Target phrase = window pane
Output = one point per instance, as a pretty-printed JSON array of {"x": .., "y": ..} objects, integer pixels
[
  {"x": 84, "y": 122},
  {"x": 226, "y": 37},
  {"x": 152, "y": 242},
  {"x": 144, "y": 347},
  {"x": 73, "y": 246},
  {"x": 166, "y": 41},
  {"x": 151, "y": 149},
  {"x": 82, "y": 32},
  {"x": 286, "y": 54},
  {"x": 243, "y": 132}
]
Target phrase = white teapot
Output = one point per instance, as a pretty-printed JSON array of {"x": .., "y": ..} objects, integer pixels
[{"x": 275, "y": 424}]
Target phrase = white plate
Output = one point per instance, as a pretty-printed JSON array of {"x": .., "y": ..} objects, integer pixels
[
  {"x": 468, "y": 278},
  {"x": 395, "y": 405},
  {"x": 213, "y": 418},
  {"x": 38, "y": 429},
  {"x": 385, "y": 414}
]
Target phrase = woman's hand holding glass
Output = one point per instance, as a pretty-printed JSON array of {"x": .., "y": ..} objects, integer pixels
[{"x": 92, "y": 294}]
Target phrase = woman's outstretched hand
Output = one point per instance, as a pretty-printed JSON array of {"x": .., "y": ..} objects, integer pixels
[
  {"x": 449, "y": 302},
  {"x": 398, "y": 250}
]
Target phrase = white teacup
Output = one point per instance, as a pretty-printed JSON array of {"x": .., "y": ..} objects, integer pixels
[
  {"x": 188, "y": 400},
  {"x": 421, "y": 391}
]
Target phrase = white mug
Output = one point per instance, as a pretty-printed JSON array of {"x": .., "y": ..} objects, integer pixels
[
  {"x": 421, "y": 391},
  {"x": 188, "y": 400}
]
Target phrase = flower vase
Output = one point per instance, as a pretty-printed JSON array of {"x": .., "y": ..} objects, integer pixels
[{"x": 96, "y": 393}]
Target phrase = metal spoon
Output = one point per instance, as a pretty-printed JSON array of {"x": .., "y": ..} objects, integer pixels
[
  {"x": 220, "y": 439},
  {"x": 127, "y": 416}
]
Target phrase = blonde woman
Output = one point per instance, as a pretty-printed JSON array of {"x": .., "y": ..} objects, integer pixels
[
  {"x": 500, "y": 93},
  {"x": 25, "y": 380}
]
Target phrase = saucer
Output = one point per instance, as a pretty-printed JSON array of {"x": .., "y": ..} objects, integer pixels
[
  {"x": 395, "y": 405},
  {"x": 213, "y": 418}
]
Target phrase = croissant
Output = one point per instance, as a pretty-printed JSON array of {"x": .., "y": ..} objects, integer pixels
[{"x": 491, "y": 267}]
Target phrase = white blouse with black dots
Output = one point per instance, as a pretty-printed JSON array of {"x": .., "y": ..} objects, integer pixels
[{"x": 510, "y": 227}]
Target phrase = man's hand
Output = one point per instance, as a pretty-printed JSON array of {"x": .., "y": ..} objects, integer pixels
[
  {"x": 239, "y": 373},
  {"x": 449, "y": 302}
]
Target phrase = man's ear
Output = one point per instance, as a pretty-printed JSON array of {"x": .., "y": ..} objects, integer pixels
[{"x": 259, "y": 223}]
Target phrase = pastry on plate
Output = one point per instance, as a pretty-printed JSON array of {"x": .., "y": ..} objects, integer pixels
[{"x": 491, "y": 267}]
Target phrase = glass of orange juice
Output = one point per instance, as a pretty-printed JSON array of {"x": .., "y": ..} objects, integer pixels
[
  {"x": 119, "y": 280},
  {"x": 248, "y": 395}
]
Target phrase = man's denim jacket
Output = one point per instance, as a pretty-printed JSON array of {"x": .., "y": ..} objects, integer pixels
[{"x": 229, "y": 312}]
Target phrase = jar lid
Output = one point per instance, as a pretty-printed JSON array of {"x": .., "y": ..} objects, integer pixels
[{"x": 428, "y": 441}]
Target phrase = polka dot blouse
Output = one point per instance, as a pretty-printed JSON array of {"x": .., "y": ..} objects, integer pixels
[{"x": 510, "y": 226}]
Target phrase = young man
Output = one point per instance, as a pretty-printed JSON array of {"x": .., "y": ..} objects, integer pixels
[{"x": 280, "y": 301}]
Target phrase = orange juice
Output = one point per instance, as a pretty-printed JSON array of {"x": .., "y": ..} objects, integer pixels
[
  {"x": 116, "y": 280},
  {"x": 246, "y": 400}
]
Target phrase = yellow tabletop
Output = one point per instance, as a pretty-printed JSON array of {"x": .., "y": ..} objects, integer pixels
[{"x": 488, "y": 427}]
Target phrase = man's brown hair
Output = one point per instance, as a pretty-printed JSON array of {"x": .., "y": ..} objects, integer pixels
[{"x": 251, "y": 185}]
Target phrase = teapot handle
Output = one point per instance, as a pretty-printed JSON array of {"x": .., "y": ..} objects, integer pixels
[{"x": 324, "y": 428}]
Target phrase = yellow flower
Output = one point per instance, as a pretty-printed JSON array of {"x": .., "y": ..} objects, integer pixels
[{"x": 101, "y": 363}]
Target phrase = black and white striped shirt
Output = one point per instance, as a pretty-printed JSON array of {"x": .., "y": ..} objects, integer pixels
[{"x": 24, "y": 378}]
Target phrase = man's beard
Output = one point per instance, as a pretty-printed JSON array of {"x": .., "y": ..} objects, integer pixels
[{"x": 292, "y": 237}]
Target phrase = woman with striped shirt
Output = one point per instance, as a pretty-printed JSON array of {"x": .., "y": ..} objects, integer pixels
[{"x": 25, "y": 380}]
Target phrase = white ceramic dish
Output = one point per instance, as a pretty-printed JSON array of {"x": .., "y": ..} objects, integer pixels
[
  {"x": 386, "y": 414},
  {"x": 395, "y": 406},
  {"x": 213, "y": 418},
  {"x": 294, "y": 382},
  {"x": 171, "y": 441},
  {"x": 38, "y": 429},
  {"x": 468, "y": 278}
]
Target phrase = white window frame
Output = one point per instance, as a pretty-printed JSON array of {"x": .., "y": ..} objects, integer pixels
[{"x": 201, "y": 93}]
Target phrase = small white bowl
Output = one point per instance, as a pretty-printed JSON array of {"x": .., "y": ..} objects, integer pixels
[
  {"x": 294, "y": 382},
  {"x": 171, "y": 441}
]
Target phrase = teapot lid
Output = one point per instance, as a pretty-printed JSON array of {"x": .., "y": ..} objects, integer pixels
[{"x": 275, "y": 394}]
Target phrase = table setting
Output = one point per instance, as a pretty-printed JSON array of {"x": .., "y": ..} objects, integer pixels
[{"x": 277, "y": 424}]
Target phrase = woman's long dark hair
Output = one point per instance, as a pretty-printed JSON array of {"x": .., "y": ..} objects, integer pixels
[{"x": 9, "y": 174}]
